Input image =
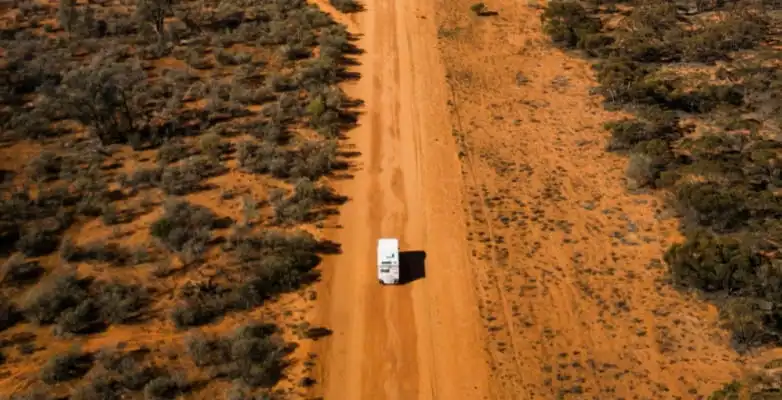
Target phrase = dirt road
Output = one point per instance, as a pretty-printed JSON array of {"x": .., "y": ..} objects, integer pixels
[{"x": 420, "y": 340}]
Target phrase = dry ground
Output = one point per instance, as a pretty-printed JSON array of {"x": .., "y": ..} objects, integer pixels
[
  {"x": 570, "y": 283},
  {"x": 576, "y": 303},
  {"x": 482, "y": 150}
]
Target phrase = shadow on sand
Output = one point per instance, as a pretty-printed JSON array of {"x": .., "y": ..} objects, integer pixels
[{"x": 412, "y": 266}]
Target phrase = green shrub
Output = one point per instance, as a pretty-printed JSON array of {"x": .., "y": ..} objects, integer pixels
[
  {"x": 66, "y": 367},
  {"x": 98, "y": 388},
  {"x": 18, "y": 271},
  {"x": 622, "y": 80},
  {"x": 746, "y": 321},
  {"x": 629, "y": 133},
  {"x": 9, "y": 314},
  {"x": 48, "y": 302},
  {"x": 121, "y": 303},
  {"x": 82, "y": 306},
  {"x": 184, "y": 226},
  {"x": 730, "y": 391},
  {"x": 187, "y": 177},
  {"x": 255, "y": 354},
  {"x": 568, "y": 23},
  {"x": 172, "y": 151},
  {"x": 166, "y": 387},
  {"x": 37, "y": 241},
  {"x": 712, "y": 205},
  {"x": 274, "y": 262},
  {"x": 715, "y": 264},
  {"x": 743, "y": 29}
]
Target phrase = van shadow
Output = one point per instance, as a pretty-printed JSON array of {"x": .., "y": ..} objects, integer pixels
[{"x": 412, "y": 265}]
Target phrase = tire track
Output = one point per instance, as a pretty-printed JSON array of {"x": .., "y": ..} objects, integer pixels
[{"x": 518, "y": 379}]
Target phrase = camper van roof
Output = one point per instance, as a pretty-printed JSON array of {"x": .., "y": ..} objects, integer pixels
[{"x": 388, "y": 242}]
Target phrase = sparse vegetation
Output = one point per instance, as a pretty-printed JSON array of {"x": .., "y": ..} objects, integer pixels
[
  {"x": 184, "y": 227},
  {"x": 65, "y": 367},
  {"x": 720, "y": 168},
  {"x": 254, "y": 354},
  {"x": 80, "y": 306},
  {"x": 119, "y": 124}
]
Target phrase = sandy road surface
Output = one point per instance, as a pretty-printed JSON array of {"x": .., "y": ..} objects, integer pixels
[{"x": 420, "y": 340}]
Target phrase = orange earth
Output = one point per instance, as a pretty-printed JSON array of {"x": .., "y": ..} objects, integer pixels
[
  {"x": 483, "y": 152},
  {"x": 482, "y": 147}
]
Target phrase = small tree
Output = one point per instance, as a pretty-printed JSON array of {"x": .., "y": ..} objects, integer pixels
[
  {"x": 67, "y": 14},
  {"x": 106, "y": 96},
  {"x": 154, "y": 12}
]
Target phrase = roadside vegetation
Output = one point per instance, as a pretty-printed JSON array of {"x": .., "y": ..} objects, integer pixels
[
  {"x": 164, "y": 166},
  {"x": 702, "y": 81}
]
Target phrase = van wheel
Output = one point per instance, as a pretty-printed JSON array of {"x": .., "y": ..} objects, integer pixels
[{"x": 381, "y": 282}]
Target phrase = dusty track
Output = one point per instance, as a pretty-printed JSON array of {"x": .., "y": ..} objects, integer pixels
[
  {"x": 539, "y": 262},
  {"x": 420, "y": 340}
]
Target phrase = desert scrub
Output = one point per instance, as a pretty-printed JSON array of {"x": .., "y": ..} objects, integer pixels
[
  {"x": 173, "y": 151},
  {"x": 166, "y": 387},
  {"x": 298, "y": 206},
  {"x": 65, "y": 367},
  {"x": 18, "y": 271},
  {"x": 38, "y": 241},
  {"x": 202, "y": 303},
  {"x": 80, "y": 306},
  {"x": 188, "y": 177},
  {"x": 255, "y": 353},
  {"x": 184, "y": 227},
  {"x": 721, "y": 167},
  {"x": 273, "y": 262},
  {"x": 9, "y": 314}
]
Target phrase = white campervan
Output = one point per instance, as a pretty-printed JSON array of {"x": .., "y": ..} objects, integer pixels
[{"x": 388, "y": 261}]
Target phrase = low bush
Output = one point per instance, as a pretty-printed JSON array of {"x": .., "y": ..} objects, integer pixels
[
  {"x": 568, "y": 23},
  {"x": 97, "y": 251},
  {"x": 166, "y": 387},
  {"x": 311, "y": 160},
  {"x": 38, "y": 241},
  {"x": 298, "y": 207},
  {"x": 187, "y": 177},
  {"x": 201, "y": 304},
  {"x": 173, "y": 151},
  {"x": 65, "y": 367},
  {"x": 83, "y": 306},
  {"x": 628, "y": 133},
  {"x": 716, "y": 264},
  {"x": 45, "y": 167},
  {"x": 184, "y": 227},
  {"x": 17, "y": 271},
  {"x": 98, "y": 388},
  {"x": 711, "y": 205},
  {"x": 9, "y": 314},
  {"x": 121, "y": 303},
  {"x": 273, "y": 262},
  {"x": 48, "y": 302},
  {"x": 255, "y": 354},
  {"x": 129, "y": 372}
]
